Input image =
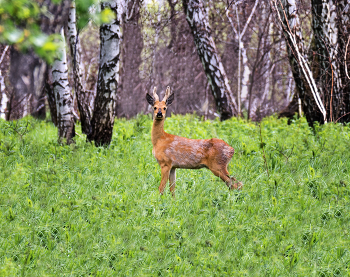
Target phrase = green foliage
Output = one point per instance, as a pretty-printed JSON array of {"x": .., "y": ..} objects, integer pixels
[
  {"x": 80, "y": 210},
  {"x": 19, "y": 24},
  {"x": 89, "y": 9}
]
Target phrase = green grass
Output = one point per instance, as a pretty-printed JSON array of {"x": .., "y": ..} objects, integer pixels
[{"x": 78, "y": 210}]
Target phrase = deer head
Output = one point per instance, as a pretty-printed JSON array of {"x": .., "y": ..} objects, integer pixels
[{"x": 160, "y": 107}]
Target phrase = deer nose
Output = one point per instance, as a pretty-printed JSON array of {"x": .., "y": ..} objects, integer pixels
[{"x": 159, "y": 114}]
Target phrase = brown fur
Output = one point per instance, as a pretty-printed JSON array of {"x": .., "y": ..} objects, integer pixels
[{"x": 173, "y": 152}]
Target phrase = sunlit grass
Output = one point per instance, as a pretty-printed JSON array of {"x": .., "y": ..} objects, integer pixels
[{"x": 79, "y": 210}]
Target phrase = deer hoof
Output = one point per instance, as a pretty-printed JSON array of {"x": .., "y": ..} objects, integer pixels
[{"x": 237, "y": 186}]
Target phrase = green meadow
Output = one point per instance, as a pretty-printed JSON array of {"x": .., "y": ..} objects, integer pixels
[{"x": 82, "y": 210}]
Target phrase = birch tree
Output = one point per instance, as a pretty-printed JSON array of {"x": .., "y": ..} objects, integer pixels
[
  {"x": 198, "y": 20},
  {"x": 242, "y": 89},
  {"x": 63, "y": 96},
  {"x": 108, "y": 76},
  {"x": 287, "y": 15},
  {"x": 3, "y": 96},
  {"x": 325, "y": 63},
  {"x": 327, "y": 18},
  {"x": 79, "y": 89},
  {"x": 269, "y": 66}
]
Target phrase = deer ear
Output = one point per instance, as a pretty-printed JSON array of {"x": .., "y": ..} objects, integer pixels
[
  {"x": 150, "y": 99},
  {"x": 170, "y": 100}
]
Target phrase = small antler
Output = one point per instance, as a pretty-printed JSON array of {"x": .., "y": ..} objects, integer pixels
[
  {"x": 167, "y": 94},
  {"x": 155, "y": 95}
]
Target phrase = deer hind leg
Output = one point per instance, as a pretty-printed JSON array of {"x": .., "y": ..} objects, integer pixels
[
  {"x": 165, "y": 176},
  {"x": 172, "y": 178}
]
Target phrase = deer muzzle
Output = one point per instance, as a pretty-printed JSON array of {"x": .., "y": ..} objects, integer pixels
[{"x": 159, "y": 113}]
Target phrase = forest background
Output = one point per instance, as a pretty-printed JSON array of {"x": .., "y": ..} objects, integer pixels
[{"x": 221, "y": 59}]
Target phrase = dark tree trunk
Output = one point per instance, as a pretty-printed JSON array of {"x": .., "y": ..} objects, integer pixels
[
  {"x": 325, "y": 63},
  {"x": 108, "y": 77},
  {"x": 296, "y": 54},
  {"x": 48, "y": 88},
  {"x": 343, "y": 22},
  {"x": 291, "y": 109},
  {"x": 26, "y": 76},
  {"x": 130, "y": 81},
  {"x": 198, "y": 20}
]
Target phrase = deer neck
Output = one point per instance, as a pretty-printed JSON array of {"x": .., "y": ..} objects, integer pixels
[{"x": 157, "y": 130}]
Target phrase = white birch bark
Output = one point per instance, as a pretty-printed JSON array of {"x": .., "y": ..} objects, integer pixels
[
  {"x": 290, "y": 90},
  {"x": 3, "y": 98},
  {"x": 198, "y": 20},
  {"x": 245, "y": 77},
  {"x": 242, "y": 83},
  {"x": 26, "y": 105},
  {"x": 63, "y": 96},
  {"x": 269, "y": 57},
  {"x": 79, "y": 88},
  {"x": 108, "y": 76}
]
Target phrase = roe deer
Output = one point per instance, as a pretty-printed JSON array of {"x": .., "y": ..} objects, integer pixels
[{"x": 173, "y": 152}]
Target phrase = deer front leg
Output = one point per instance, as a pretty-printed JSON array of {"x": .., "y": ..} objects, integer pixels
[
  {"x": 172, "y": 178},
  {"x": 165, "y": 169},
  {"x": 236, "y": 184}
]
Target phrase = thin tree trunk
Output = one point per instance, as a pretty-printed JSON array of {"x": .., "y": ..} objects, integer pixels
[
  {"x": 239, "y": 78},
  {"x": 198, "y": 20},
  {"x": 254, "y": 69},
  {"x": 290, "y": 90},
  {"x": 108, "y": 77},
  {"x": 39, "y": 110},
  {"x": 269, "y": 57},
  {"x": 63, "y": 96},
  {"x": 3, "y": 97},
  {"x": 242, "y": 83},
  {"x": 245, "y": 78},
  {"x": 79, "y": 90}
]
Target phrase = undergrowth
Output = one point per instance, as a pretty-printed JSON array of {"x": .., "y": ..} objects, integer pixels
[{"x": 78, "y": 210}]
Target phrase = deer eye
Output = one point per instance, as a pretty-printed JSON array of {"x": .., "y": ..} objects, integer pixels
[
  {"x": 155, "y": 108},
  {"x": 164, "y": 109}
]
